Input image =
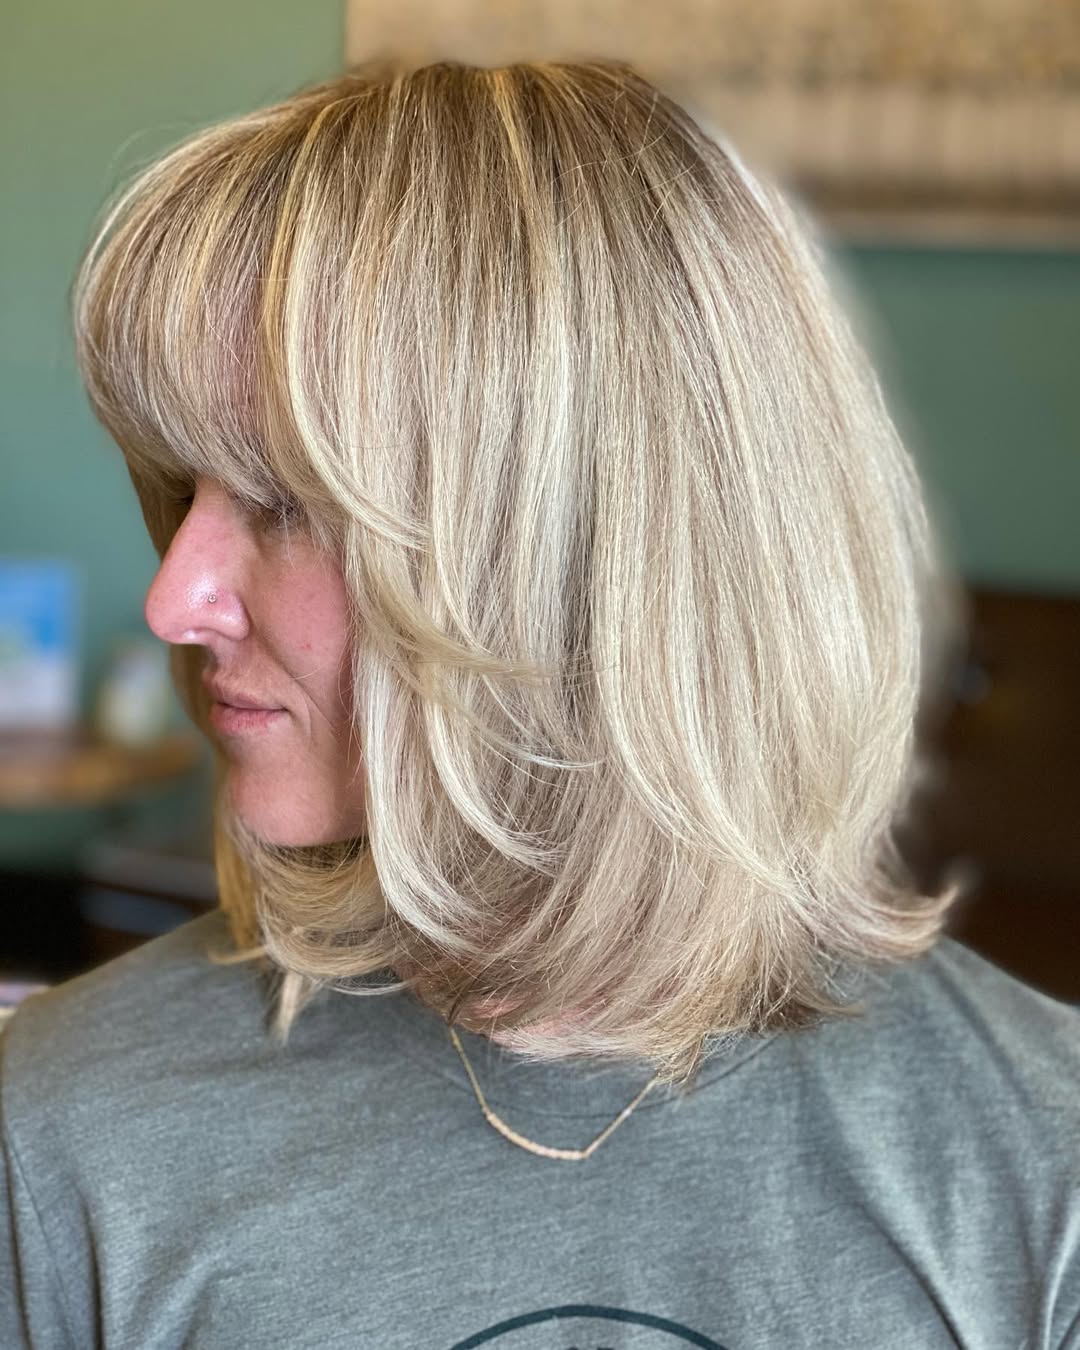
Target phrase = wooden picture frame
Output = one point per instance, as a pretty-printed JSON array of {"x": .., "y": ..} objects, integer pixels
[{"x": 945, "y": 120}]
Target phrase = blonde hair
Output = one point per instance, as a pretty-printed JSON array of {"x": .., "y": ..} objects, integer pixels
[{"x": 644, "y": 590}]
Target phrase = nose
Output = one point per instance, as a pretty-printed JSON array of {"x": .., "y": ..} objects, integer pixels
[{"x": 197, "y": 594}]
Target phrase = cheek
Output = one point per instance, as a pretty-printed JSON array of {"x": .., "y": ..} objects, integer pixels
[{"x": 316, "y": 615}]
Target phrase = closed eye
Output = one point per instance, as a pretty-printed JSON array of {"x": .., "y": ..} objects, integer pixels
[{"x": 280, "y": 514}]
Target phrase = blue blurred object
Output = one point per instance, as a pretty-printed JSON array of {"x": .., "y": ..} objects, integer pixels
[{"x": 40, "y": 620}]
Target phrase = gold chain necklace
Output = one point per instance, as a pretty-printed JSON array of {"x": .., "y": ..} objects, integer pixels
[{"x": 569, "y": 1154}]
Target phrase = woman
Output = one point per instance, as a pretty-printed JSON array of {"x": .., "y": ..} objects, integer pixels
[{"x": 541, "y": 559}]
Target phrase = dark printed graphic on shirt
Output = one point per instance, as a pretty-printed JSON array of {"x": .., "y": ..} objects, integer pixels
[{"x": 579, "y": 1326}]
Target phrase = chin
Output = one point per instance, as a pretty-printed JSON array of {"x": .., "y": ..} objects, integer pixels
[
  {"x": 275, "y": 822},
  {"x": 285, "y": 830},
  {"x": 291, "y": 836}
]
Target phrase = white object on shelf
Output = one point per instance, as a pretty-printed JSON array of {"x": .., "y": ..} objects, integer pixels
[{"x": 135, "y": 697}]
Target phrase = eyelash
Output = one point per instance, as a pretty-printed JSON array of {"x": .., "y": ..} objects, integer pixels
[{"x": 280, "y": 515}]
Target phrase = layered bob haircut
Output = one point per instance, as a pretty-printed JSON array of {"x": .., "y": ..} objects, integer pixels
[{"x": 644, "y": 592}]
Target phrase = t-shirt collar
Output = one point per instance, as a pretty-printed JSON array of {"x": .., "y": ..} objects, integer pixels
[{"x": 577, "y": 1087}]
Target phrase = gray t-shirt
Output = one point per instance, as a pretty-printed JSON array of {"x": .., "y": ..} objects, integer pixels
[{"x": 906, "y": 1180}]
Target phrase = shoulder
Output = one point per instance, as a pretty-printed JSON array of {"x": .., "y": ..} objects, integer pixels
[
  {"x": 948, "y": 1106},
  {"x": 130, "y": 1016},
  {"x": 968, "y": 1009},
  {"x": 952, "y": 1036}
]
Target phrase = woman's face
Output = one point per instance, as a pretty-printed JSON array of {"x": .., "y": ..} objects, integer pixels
[{"x": 270, "y": 609}]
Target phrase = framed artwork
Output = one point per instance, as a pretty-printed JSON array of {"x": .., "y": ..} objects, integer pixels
[{"x": 922, "y": 118}]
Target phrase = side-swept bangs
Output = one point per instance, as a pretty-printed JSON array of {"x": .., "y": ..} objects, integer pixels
[{"x": 181, "y": 305}]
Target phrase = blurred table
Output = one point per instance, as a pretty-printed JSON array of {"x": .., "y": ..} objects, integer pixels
[{"x": 78, "y": 769}]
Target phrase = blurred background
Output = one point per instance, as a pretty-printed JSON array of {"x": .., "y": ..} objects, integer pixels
[{"x": 937, "y": 141}]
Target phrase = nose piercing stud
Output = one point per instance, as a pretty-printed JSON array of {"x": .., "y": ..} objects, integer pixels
[{"x": 212, "y": 599}]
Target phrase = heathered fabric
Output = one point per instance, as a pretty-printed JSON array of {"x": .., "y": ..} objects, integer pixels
[{"x": 906, "y": 1180}]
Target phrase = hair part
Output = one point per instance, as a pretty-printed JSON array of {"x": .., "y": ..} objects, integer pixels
[{"x": 644, "y": 590}]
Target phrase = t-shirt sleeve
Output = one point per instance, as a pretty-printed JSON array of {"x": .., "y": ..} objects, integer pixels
[
  {"x": 33, "y": 1314},
  {"x": 1021, "y": 1048},
  {"x": 1065, "y": 1312}
]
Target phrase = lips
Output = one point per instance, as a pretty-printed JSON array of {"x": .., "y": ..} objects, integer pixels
[{"x": 236, "y": 698}]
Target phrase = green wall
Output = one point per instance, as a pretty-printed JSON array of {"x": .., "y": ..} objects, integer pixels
[
  {"x": 978, "y": 352},
  {"x": 976, "y": 348}
]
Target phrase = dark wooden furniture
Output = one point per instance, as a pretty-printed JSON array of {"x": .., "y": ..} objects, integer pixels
[{"x": 1007, "y": 802}]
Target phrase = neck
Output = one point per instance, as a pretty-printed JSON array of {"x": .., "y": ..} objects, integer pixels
[
  {"x": 553, "y": 1025},
  {"x": 493, "y": 1006}
]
